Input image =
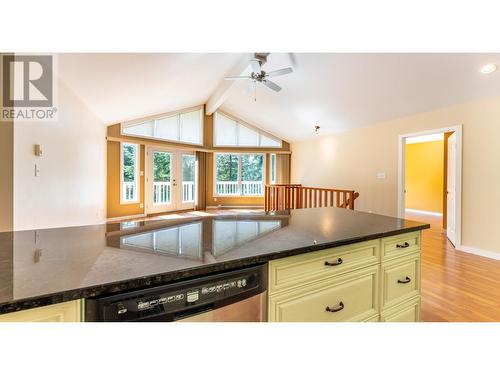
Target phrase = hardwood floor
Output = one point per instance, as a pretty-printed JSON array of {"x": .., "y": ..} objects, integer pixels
[{"x": 456, "y": 286}]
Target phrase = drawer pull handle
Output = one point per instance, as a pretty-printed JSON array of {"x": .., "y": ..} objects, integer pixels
[
  {"x": 335, "y": 309},
  {"x": 337, "y": 263},
  {"x": 405, "y": 245},
  {"x": 405, "y": 281}
]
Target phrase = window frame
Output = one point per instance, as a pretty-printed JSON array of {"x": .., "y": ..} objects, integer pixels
[
  {"x": 214, "y": 184},
  {"x": 137, "y": 173},
  {"x": 154, "y": 118},
  {"x": 246, "y": 125}
]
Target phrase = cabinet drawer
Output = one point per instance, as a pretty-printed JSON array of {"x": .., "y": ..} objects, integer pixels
[
  {"x": 406, "y": 312},
  {"x": 401, "y": 280},
  {"x": 301, "y": 269},
  {"x": 396, "y": 246},
  {"x": 352, "y": 297}
]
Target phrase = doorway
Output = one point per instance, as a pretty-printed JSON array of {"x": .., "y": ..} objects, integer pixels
[
  {"x": 170, "y": 180},
  {"x": 429, "y": 178}
]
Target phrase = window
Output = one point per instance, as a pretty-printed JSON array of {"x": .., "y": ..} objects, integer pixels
[
  {"x": 184, "y": 127},
  {"x": 273, "y": 168},
  {"x": 129, "y": 173},
  {"x": 232, "y": 132},
  {"x": 239, "y": 174}
]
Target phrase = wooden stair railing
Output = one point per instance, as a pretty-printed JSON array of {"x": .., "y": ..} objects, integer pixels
[{"x": 292, "y": 196}]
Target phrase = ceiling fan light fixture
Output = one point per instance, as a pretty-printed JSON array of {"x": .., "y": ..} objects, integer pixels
[{"x": 488, "y": 68}]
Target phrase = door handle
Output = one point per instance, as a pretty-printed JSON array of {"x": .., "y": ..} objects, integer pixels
[
  {"x": 405, "y": 281},
  {"x": 335, "y": 309},
  {"x": 337, "y": 263},
  {"x": 403, "y": 246}
]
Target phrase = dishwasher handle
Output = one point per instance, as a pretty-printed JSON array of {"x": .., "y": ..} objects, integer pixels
[{"x": 195, "y": 310}]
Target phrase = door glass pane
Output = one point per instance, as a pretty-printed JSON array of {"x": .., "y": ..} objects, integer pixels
[
  {"x": 168, "y": 128},
  {"x": 227, "y": 174},
  {"x": 188, "y": 173},
  {"x": 162, "y": 190},
  {"x": 247, "y": 137},
  {"x": 225, "y": 131},
  {"x": 191, "y": 127},
  {"x": 252, "y": 174}
]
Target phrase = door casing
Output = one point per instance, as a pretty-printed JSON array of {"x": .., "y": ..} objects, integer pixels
[{"x": 458, "y": 175}]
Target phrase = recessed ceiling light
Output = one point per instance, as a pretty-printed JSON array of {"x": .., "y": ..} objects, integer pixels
[{"x": 488, "y": 68}]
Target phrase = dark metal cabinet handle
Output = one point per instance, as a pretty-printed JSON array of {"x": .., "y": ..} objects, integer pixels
[
  {"x": 406, "y": 244},
  {"x": 337, "y": 263},
  {"x": 335, "y": 309},
  {"x": 405, "y": 281}
]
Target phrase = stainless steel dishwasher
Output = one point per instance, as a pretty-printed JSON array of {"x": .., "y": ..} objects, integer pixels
[{"x": 234, "y": 296}]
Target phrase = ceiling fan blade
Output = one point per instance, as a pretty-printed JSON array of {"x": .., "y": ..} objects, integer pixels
[
  {"x": 237, "y": 77},
  {"x": 279, "y": 72},
  {"x": 271, "y": 85},
  {"x": 255, "y": 66}
]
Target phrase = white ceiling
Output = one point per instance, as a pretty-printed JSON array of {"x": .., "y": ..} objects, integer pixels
[
  {"x": 336, "y": 91},
  {"x": 119, "y": 87}
]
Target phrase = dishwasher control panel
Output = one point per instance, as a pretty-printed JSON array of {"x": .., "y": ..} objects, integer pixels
[
  {"x": 200, "y": 294},
  {"x": 181, "y": 298}
]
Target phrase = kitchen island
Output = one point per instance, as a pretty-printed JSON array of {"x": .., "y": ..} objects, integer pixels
[{"x": 324, "y": 264}]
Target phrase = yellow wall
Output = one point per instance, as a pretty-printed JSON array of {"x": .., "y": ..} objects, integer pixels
[
  {"x": 424, "y": 176},
  {"x": 114, "y": 208},
  {"x": 353, "y": 158}
]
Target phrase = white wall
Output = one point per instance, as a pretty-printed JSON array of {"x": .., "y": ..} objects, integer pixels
[
  {"x": 71, "y": 187},
  {"x": 352, "y": 159}
]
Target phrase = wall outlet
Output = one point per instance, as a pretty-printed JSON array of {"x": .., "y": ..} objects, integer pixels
[
  {"x": 215, "y": 199},
  {"x": 141, "y": 205}
]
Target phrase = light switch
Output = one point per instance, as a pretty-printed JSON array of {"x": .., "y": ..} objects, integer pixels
[
  {"x": 38, "y": 150},
  {"x": 37, "y": 171},
  {"x": 380, "y": 175}
]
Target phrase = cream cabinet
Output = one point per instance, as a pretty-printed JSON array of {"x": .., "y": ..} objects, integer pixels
[
  {"x": 61, "y": 312},
  {"x": 377, "y": 280}
]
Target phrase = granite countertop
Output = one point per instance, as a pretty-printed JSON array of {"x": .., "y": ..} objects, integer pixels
[{"x": 42, "y": 267}]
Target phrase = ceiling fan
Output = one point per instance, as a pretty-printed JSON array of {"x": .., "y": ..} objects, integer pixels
[{"x": 259, "y": 75}]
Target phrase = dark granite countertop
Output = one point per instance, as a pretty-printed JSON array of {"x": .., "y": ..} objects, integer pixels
[{"x": 42, "y": 267}]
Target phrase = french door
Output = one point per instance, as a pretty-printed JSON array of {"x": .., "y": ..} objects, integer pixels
[{"x": 170, "y": 180}]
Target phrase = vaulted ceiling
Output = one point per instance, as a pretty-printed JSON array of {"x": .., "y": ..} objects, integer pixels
[{"x": 336, "y": 91}]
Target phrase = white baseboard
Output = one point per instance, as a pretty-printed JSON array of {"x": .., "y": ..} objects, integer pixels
[
  {"x": 420, "y": 212},
  {"x": 481, "y": 252},
  {"x": 125, "y": 217}
]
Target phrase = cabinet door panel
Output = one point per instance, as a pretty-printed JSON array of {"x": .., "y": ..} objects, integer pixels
[
  {"x": 60, "y": 312},
  {"x": 401, "y": 280}
]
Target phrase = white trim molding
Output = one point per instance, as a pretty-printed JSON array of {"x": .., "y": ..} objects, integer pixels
[
  {"x": 458, "y": 173},
  {"x": 420, "y": 212},
  {"x": 479, "y": 252}
]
